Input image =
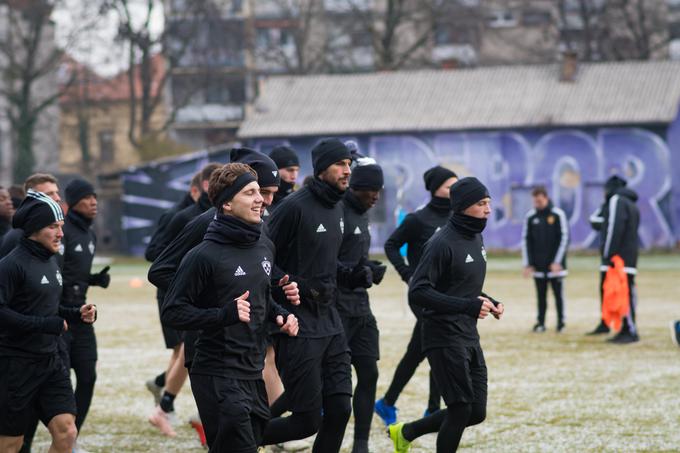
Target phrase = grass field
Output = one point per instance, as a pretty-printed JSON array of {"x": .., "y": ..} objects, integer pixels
[{"x": 547, "y": 392}]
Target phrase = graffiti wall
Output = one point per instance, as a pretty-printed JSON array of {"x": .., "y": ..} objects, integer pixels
[{"x": 571, "y": 163}]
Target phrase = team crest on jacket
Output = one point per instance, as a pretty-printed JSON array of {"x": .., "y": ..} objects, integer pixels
[
  {"x": 90, "y": 246},
  {"x": 59, "y": 279},
  {"x": 484, "y": 254},
  {"x": 267, "y": 266}
]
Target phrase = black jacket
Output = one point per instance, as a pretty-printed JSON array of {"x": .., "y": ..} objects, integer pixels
[
  {"x": 545, "y": 238},
  {"x": 447, "y": 284},
  {"x": 179, "y": 221},
  {"x": 10, "y": 240},
  {"x": 307, "y": 228},
  {"x": 416, "y": 228},
  {"x": 155, "y": 247},
  {"x": 356, "y": 242},
  {"x": 79, "y": 244},
  {"x": 31, "y": 318},
  {"x": 5, "y": 227},
  {"x": 202, "y": 297},
  {"x": 618, "y": 220}
]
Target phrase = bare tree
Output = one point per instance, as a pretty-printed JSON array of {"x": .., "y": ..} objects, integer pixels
[
  {"x": 28, "y": 58},
  {"x": 147, "y": 81}
]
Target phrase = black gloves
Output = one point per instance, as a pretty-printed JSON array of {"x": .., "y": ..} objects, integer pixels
[
  {"x": 101, "y": 279},
  {"x": 378, "y": 270},
  {"x": 361, "y": 277},
  {"x": 317, "y": 290}
]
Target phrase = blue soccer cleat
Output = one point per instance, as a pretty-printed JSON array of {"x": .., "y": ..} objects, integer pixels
[{"x": 386, "y": 412}]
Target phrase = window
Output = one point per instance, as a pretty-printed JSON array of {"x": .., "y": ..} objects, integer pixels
[
  {"x": 502, "y": 19},
  {"x": 674, "y": 30},
  {"x": 106, "y": 148},
  {"x": 533, "y": 18},
  {"x": 447, "y": 34}
]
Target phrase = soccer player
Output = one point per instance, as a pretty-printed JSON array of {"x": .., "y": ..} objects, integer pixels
[
  {"x": 448, "y": 284},
  {"x": 360, "y": 325},
  {"x": 172, "y": 337},
  {"x": 6, "y": 212},
  {"x": 222, "y": 288},
  {"x": 414, "y": 231},
  {"x": 545, "y": 238},
  {"x": 618, "y": 220},
  {"x": 38, "y": 182},
  {"x": 288, "y": 164},
  {"x": 80, "y": 244},
  {"x": 163, "y": 415},
  {"x": 307, "y": 229},
  {"x": 34, "y": 380}
]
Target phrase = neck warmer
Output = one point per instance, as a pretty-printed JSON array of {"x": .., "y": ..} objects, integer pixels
[
  {"x": 467, "y": 225},
  {"x": 36, "y": 248},
  {"x": 439, "y": 204},
  {"x": 327, "y": 194},
  {"x": 227, "y": 229},
  {"x": 285, "y": 189},
  {"x": 78, "y": 219}
]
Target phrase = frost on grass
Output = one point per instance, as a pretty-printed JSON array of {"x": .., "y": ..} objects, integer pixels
[{"x": 547, "y": 392}]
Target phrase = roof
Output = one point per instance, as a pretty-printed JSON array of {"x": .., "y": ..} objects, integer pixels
[
  {"x": 95, "y": 88},
  {"x": 481, "y": 98}
]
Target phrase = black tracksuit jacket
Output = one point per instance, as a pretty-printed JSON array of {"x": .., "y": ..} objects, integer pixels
[
  {"x": 31, "y": 318},
  {"x": 154, "y": 248},
  {"x": 202, "y": 297},
  {"x": 307, "y": 228},
  {"x": 356, "y": 242},
  {"x": 447, "y": 284},
  {"x": 545, "y": 238},
  {"x": 416, "y": 228},
  {"x": 10, "y": 240},
  {"x": 618, "y": 220},
  {"x": 79, "y": 243},
  {"x": 178, "y": 222}
]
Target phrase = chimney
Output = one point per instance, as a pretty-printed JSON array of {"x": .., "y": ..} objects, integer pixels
[{"x": 569, "y": 66}]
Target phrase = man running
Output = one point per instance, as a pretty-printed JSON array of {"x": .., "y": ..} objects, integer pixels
[
  {"x": 545, "y": 238},
  {"x": 34, "y": 380},
  {"x": 414, "y": 231},
  {"x": 6, "y": 212},
  {"x": 307, "y": 229},
  {"x": 448, "y": 284},
  {"x": 222, "y": 288},
  {"x": 80, "y": 244},
  {"x": 359, "y": 323}
]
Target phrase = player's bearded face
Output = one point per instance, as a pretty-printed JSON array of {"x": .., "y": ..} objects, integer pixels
[
  {"x": 337, "y": 175},
  {"x": 247, "y": 204}
]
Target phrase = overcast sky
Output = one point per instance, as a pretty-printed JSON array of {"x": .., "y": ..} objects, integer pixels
[{"x": 96, "y": 44}]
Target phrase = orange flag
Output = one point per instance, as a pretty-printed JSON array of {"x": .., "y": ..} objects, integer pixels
[{"x": 615, "y": 304}]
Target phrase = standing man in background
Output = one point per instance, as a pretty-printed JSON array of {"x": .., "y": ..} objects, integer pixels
[
  {"x": 545, "y": 238},
  {"x": 618, "y": 220},
  {"x": 414, "y": 231},
  {"x": 79, "y": 248}
]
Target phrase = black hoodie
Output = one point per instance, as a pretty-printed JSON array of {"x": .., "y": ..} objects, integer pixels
[
  {"x": 79, "y": 244},
  {"x": 619, "y": 231},
  {"x": 545, "y": 238}
]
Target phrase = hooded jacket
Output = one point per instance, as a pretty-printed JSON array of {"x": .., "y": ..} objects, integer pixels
[{"x": 619, "y": 231}]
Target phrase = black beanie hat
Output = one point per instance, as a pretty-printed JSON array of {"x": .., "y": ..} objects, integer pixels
[
  {"x": 77, "y": 190},
  {"x": 367, "y": 177},
  {"x": 466, "y": 192},
  {"x": 284, "y": 156},
  {"x": 266, "y": 169},
  {"x": 36, "y": 212},
  {"x": 435, "y": 177},
  {"x": 327, "y": 152},
  {"x": 613, "y": 184}
]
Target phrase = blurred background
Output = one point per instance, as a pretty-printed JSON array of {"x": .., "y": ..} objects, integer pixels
[{"x": 137, "y": 95}]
